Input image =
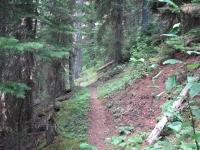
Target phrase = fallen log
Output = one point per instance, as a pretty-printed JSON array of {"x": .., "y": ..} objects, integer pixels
[
  {"x": 64, "y": 97},
  {"x": 160, "y": 125},
  {"x": 106, "y": 65},
  {"x": 192, "y": 40}
]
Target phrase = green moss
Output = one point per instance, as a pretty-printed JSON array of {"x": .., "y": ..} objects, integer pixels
[{"x": 72, "y": 122}]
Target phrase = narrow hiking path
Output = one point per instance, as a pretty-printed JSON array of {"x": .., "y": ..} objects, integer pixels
[{"x": 97, "y": 119}]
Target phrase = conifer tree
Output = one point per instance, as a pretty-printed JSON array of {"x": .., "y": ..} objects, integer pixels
[
  {"x": 17, "y": 45},
  {"x": 111, "y": 13},
  {"x": 36, "y": 41}
]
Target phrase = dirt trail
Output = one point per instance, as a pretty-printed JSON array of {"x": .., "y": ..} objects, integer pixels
[{"x": 97, "y": 120}]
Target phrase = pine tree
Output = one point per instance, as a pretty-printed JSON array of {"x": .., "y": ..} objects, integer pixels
[{"x": 36, "y": 41}]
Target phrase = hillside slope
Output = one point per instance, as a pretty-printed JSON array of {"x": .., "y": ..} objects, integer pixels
[{"x": 137, "y": 104}]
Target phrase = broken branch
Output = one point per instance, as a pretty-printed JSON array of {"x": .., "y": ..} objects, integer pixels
[{"x": 160, "y": 125}]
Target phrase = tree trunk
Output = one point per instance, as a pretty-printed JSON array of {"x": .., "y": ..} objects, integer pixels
[
  {"x": 30, "y": 63},
  {"x": 145, "y": 14},
  {"x": 51, "y": 128},
  {"x": 71, "y": 71},
  {"x": 118, "y": 15},
  {"x": 78, "y": 50},
  {"x": 3, "y": 110}
]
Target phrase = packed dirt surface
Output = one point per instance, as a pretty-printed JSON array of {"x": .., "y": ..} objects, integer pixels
[
  {"x": 136, "y": 104},
  {"x": 97, "y": 119}
]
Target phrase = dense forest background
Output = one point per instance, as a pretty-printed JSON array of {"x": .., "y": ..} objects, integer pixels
[{"x": 47, "y": 45}]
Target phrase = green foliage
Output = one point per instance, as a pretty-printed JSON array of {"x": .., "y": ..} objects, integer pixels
[
  {"x": 195, "y": 52},
  {"x": 72, "y": 120},
  {"x": 172, "y": 61},
  {"x": 15, "y": 88},
  {"x": 169, "y": 2},
  {"x": 110, "y": 105},
  {"x": 183, "y": 129},
  {"x": 196, "y": 137},
  {"x": 142, "y": 48},
  {"x": 195, "y": 111},
  {"x": 195, "y": 1},
  {"x": 184, "y": 132},
  {"x": 176, "y": 43},
  {"x": 174, "y": 30},
  {"x": 116, "y": 70},
  {"x": 125, "y": 129},
  {"x": 128, "y": 143},
  {"x": 193, "y": 66},
  {"x": 87, "y": 77},
  {"x": 185, "y": 136},
  {"x": 85, "y": 146},
  {"x": 193, "y": 86},
  {"x": 133, "y": 60},
  {"x": 175, "y": 126},
  {"x": 76, "y": 114},
  {"x": 167, "y": 106},
  {"x": 17, "y": 46},
  {"x": 171, "y": 82},
  {"x": 115, "y": 140},
  {"x": 131, "y": 73}
]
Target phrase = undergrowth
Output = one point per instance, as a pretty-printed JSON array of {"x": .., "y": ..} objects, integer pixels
[
  {"x": 180, "y": 132},
  {"x": 131, "y": 73},
  {"x": 72, "y": 122},
  {"x": 87, "y": 77}
]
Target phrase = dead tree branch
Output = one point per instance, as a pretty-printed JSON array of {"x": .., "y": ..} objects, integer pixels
[{"x": 160, "y": 125}]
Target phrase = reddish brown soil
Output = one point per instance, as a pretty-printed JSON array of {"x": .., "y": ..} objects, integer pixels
[
  {"x": 98, "y": 126},
  {"x": 134, "y": 105}
]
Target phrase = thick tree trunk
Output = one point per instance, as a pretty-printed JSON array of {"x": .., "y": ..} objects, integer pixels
[
  {"x": 145, "y": 14},
  {"x": 78, "y": 50},
  {"x": 28, "y": 73},
  {"x": 118, "y": 15}
]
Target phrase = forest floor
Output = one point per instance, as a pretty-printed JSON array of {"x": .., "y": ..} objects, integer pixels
[{"x": 134, "y": 105}]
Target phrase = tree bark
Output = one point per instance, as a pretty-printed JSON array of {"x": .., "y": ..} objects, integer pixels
[
  {"x": 30, "y": 63},
  {"x": 118, "y": 15},
  {"x": 51, "y": 129},
  {"x": 71, "y": 70},
  {"x": 78, "y": 50},
  {"x": 145, "y": 14},
  {"x": 3, "y": 110}
]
